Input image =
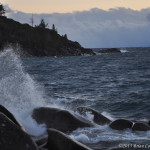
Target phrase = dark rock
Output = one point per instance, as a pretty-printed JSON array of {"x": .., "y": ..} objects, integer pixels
[
  {"x": 104, "y": 145},
  {"x": 121, "y": 124},
  {"x": 43, "y": 149},
  {"x": 123, "y": 149},
  {"x": 149, "y": 123},
  {"x": 140, "y": 127},
  {"x": 10, "y": 116},
  {"x": 60, "y": 141},
  {"x": 13, "y": 137},
  {"x": 110, "y": 50},
  {"x": 98, "y": 118},
  {"x": 87, "y": 51},
  {"x": 59, "y": 119},
  {"x": 41, "y": 142}
]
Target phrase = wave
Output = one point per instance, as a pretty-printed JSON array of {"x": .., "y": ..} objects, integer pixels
[
  {"x": 19, "y": 93},
  {"x": 104, "y": 133}
]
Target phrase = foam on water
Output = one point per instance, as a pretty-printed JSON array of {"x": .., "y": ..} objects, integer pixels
[
  {"x": 104, "y": 133},
  {"x": 100, "y": 133},
  {"x": 61, "y": 100},
  {"x": 19, "y": 93},
  {"x": 107, "y": 115},
  {"x": 81, "y": 137},
  {"x": 90, "y": 116}
]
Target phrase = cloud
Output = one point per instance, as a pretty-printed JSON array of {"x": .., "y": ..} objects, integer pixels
[
  {"x": 118, "y": 27},
  {"x": 148, "y": 17}
]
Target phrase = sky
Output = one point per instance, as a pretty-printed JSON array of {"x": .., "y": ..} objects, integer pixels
[
  {"x": 63, "y": 6},
  {"x": 93, "y": 23}
]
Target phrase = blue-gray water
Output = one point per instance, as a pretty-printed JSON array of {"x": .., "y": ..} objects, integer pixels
[{"x": 117, "y": 83}]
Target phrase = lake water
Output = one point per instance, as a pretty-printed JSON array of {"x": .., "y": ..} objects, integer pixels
[{"x": 116, "y": 85}]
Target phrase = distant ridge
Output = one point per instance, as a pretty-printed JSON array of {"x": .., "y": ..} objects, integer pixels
[{"x": 38, "y": 42}]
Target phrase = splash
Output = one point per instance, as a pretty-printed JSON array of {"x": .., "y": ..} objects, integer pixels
[{"x": 19, "y": 93}]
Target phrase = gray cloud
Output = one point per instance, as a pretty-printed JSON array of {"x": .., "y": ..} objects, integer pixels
[{"x": 119, "y": 27}]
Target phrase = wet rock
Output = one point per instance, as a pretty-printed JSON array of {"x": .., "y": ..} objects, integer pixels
[
  {"x": 10, "y": 116},
  {"x": 60, "y": 141},
  {"x": 140, "y": 127},
  {"x": 59, "y": 119},
  {"x": 121, "y": 124},
  {"x": 13, "y": 137},
  {"x": 98, "y": 118}
]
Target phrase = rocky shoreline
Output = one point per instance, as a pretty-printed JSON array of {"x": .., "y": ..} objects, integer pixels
[
  {"x": 110, "y": 50},
  {"x": 58, "y": 123}
]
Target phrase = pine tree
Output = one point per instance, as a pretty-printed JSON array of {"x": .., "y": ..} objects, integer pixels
[
  {"x": 53, "y": 27},
  {"x": 2, "y": 10},
  {"x": 65, "y": 36},
  {"x": 43, "y": 24},
  {"x": 32, "y": 20}
]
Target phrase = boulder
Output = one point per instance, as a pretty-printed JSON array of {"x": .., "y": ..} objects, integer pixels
[
  {"x": 13, "y": 137},
  {"x": 140, "y": 127},
  {"x": 121, "y": 124},
  {"x": 60, "y": 141},
  {"x": 59, "y": 119},
  {"x": 98, "y": 118},
  {"x": 11, "y": 116}
]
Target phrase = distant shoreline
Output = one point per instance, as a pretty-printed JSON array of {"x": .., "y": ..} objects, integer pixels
[{"x": 38, "y": 41}]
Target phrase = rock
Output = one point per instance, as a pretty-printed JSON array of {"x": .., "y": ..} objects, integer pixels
[
  {"x": 60, "y": 141},
  {"x": 98, "y": 118},
  {"x": 43, "y": 149},
  {"x": 87, "y": 51},
  {"x": 59, "y": 119},
  {"x": 110, "y": 50},
  {"x": 11, "y": 116},
  {"x": 140, "y": 127},
  {"x": 121, "y": 124},
  {"x": 13, "y": 137},
  {"x": 41, "y": 142}
]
